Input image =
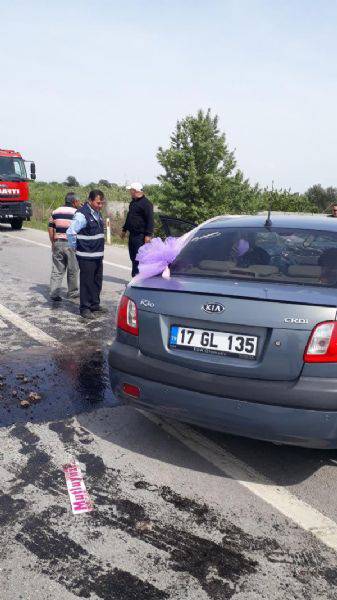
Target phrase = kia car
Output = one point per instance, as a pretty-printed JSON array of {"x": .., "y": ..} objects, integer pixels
[{"x": 242, "y": 337}]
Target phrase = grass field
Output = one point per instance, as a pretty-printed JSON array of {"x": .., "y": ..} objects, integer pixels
[{"x": 35, "y": 224}]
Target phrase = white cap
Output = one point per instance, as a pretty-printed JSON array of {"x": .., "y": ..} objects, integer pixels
[{"x": 136, "y": 185}]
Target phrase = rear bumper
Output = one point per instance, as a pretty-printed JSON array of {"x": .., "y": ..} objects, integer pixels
[
  {"x": 15, "y": 210},
  {"x": 165, "y": 391}
]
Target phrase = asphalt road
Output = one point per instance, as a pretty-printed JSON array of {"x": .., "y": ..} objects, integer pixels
[{"x": 178, "y": 513}]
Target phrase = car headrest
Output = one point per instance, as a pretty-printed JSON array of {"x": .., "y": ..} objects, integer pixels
[
  {"x": 216, "y": 265},
  {"x": 304, "y": 271}
]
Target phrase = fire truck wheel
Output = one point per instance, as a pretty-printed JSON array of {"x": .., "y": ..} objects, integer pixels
[{"x": 16, "y": 224}]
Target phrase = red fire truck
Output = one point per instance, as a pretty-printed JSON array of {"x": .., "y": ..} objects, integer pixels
[{"x": 14, "y": 191}]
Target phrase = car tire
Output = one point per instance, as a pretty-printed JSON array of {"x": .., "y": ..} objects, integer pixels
[{"x": 16, "y": 224}]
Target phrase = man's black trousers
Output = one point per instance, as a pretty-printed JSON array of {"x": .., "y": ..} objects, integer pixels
[
  {"x": 91, "y": 279},
  {"x": 136, "y": 240}
]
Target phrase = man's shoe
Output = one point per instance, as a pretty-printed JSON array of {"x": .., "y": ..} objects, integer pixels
[
  {"x": 56, "y": 298},
  {"x": 73, "y": 295},
  {"x": 100, "y": 310},
  {"x": 87, "y": 315}
]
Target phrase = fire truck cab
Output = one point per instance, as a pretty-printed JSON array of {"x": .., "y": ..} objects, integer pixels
[{"x": 15, "y": 206}]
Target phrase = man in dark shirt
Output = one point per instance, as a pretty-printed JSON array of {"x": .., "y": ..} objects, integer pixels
[{"x": 139, "y": 222}]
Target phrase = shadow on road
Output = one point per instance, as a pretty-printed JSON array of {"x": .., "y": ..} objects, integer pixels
[
  {"x": 284, "y": 465},
  {"x": 6, "y": 228},
  {"x": 44, "y": 291}
]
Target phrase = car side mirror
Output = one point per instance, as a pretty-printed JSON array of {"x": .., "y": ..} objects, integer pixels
[{"x": 32, "y": 171}]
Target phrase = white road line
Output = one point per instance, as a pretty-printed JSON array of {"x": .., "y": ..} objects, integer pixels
[
  {"x": 301, "y": 513},
  {"x": 16, "y": 237},
  {"x": 105, "y": 262},
  {"x": 111, "y": 264},
  {"x": 34, "y": 332}
]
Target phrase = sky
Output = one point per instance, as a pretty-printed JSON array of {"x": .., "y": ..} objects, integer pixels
[{"x": 92, "y": 88}]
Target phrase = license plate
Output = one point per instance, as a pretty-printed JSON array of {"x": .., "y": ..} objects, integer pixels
[{"x": 213, "y": 342}]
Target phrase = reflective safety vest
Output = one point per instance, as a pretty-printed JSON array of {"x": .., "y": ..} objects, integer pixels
[{"x": 90, "y": 240}]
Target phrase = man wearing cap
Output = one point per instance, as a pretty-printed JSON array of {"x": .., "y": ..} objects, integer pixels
[
  {"x": 64, "y": 258},
  {"x": 139, "y": 222}
]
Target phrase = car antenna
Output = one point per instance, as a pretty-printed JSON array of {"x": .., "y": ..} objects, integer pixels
[{"x": 268, "y": 222}]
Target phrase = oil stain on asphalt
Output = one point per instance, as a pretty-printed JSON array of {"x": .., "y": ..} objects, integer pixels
[
  {"x": 75, "y": 568},
  {"x": 216, "y": 566},
  {"x": 39, "y": 385},
  {"x": 222, "y": 566}
]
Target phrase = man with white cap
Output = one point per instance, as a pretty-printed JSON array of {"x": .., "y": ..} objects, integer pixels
[{"x": 139, "y": 222}]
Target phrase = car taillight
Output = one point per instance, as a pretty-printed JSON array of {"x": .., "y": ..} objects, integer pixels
[
  {"x": 128, "y": 316},
  {"x": 131, "y": 390},
  {"x": 322, "y": 345}
]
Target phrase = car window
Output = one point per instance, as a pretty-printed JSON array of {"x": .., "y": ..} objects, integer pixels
[
  {"x": 280, "y": 255},
  {"x": 175, "y": 227}
]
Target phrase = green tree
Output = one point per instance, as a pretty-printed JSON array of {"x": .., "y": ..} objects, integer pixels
[
  {"x": 322, "y": 197},
  {"x": 104, "y": 183},
  {"x": 71, "y": 181},
  {"x": 199, "y": 179},
  {"x": 152, "y": 191},
  {"x": 283, "y": 200}
]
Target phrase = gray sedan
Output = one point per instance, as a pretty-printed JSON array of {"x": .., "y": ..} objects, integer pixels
[{"x": 242, "y": 338}]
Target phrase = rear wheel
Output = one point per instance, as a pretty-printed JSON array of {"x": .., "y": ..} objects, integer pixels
[{"x": 16, "y": 224}]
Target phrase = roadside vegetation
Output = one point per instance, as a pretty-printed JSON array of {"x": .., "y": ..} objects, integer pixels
[
  {"x": 46, "y": 196},
  {"x": 199, "y": 179}
]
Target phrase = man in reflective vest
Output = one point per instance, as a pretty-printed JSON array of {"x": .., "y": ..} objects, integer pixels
[{"x": 86, "y": 235}]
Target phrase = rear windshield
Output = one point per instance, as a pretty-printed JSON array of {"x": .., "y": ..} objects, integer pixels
[{"x": 300, "y": 256}]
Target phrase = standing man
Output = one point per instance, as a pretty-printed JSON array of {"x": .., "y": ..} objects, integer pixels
[
  {"x": 139, "y": 222},
  {"x": 86, "y": 235},
  {"x": 64, "y": 258}
]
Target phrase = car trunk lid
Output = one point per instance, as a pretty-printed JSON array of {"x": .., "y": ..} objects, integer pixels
[{"x": 281, "y": 317}]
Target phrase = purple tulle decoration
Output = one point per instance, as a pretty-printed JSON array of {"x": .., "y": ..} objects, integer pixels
[{"x": 155, "y": 257}]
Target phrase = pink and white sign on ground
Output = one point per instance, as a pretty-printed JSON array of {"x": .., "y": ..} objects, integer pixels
[{"x": 79, "y": 497}]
